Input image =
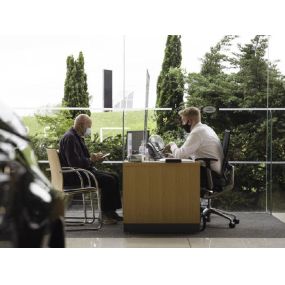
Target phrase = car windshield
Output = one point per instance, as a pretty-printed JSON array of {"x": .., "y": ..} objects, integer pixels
[{"x": 9, "y": 119}]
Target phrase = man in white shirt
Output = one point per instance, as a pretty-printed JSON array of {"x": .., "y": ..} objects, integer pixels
[{"x": 201, "y": 142}]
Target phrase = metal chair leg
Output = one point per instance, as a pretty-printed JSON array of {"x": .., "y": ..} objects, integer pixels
[
  {"x": 221, "y": 214},
  {"x": 87, "y": 220},
  {"x": 209, "y": 210}
]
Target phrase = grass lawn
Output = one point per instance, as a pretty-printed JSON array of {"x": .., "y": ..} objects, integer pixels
[{"x": 134, "y": 120}]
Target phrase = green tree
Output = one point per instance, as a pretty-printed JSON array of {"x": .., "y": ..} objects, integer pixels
[
  {"x": 213, "y": 85},
  {"x": 252, "y": 74},
  {"x": 75, "y": 86},
  {"x": 216, "y": 61},
  {"x": 253, "y": 78},
  {"x": 260, "y": 84},
  {"x": 170, "y": 87}
]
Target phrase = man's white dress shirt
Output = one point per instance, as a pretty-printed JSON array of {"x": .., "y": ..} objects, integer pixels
[{"x": 202, "y": 142}]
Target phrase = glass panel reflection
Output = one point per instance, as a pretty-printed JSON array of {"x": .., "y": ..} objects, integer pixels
[{"x": 235, "y": 72}]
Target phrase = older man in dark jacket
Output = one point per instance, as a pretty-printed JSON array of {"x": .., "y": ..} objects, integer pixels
[{"x": 74, "y": 153}]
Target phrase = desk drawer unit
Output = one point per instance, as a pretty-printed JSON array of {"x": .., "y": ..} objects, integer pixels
[{"x": 161, "y": 197}]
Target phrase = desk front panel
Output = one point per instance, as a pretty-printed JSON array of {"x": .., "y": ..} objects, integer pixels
[{"x": 161, "y": 193}]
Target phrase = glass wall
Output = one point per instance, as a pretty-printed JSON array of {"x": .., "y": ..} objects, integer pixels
[
  {"x": 259, "y": 156},
  {"x": 247, "y": 93},
  {"x": 242, "y": 93},
  {"x": 277, "y": 167}
]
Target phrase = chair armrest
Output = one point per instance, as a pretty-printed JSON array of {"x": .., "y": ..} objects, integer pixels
[
  {"x": 87, "y": 173},
  {"x": 71, "y": 170},
  {"x": 91, "y": 175}
]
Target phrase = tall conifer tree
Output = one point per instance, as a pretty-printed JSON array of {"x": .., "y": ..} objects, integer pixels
[
  {"x": 75, "y": 87},
  {"x": 170, "y": 86}
]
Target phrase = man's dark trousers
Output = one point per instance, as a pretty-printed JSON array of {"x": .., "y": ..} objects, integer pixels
[{"x": 110, "y": 194}]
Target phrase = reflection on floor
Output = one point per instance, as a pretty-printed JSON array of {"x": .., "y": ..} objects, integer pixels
[
  {"x": 175, "y": 243},
  {"x": 179, "y": 242},
  {"x": 280, "y": 216}
]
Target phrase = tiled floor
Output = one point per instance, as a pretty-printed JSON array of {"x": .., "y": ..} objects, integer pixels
[
  {"x": 175, "y": 243},
  {"x": 178, "y": 242}
]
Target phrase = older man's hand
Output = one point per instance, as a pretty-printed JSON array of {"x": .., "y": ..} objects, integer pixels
[{"x": 97, "y": 157}]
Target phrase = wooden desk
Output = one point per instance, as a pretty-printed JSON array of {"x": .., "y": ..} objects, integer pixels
[{"x": 161, "y": 197}]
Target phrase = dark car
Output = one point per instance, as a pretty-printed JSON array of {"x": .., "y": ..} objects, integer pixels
[{"x": 31, "y": 212}]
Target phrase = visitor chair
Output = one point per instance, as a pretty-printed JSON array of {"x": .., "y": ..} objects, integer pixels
[
  {"x": 57, "y": 180},
  {"x": 217, "y": 185}
]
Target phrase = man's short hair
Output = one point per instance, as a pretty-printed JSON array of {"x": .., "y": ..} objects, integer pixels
[{"x": 192, "y": 112}]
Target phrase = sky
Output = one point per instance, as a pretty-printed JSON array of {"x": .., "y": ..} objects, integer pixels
[
  {"x": 33, "y": 67},
  {"x": 37, "y": 36},
  {"x": 38, "y": 65}
]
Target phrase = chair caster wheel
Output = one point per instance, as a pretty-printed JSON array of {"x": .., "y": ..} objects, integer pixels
[
  {"x": 236, "y": 221},
  {"x": 232, "y": 225}
]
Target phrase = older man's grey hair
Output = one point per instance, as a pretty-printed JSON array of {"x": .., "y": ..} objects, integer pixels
[{"x": 81, "y": 120}]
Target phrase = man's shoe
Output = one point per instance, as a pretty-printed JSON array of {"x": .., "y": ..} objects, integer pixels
[
  {"x": 116, "y": 217},
  {"x": 107, "y": 220}
]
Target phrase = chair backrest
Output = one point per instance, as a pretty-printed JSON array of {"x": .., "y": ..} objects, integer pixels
[
  {"x": 225, "y": 144},
  {"x": 55, "y": 169},
  {"x": 227, "y": 169}
]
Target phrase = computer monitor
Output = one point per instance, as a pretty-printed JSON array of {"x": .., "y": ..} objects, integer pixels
[{"x": 134, "y": 140}]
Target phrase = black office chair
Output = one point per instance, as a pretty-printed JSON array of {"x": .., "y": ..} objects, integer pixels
[{"x": 216, "y": 185}]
